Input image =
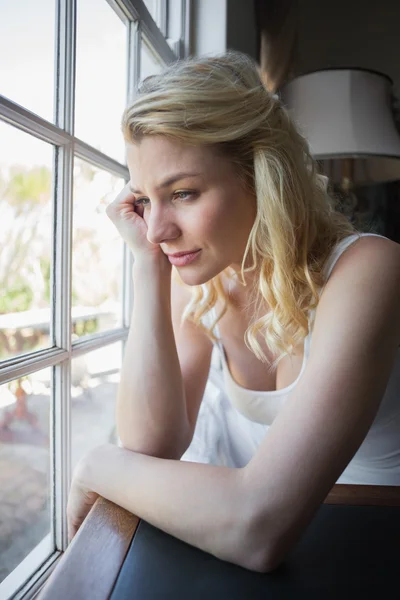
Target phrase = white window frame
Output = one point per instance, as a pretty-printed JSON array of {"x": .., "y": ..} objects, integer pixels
[{"x": 30, "y": 574}]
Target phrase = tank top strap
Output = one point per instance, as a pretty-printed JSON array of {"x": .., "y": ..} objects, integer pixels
[
  {"x": 210, "y": 317},
  {"x": 329, "y": 265},
  {"x": 340, "y": 248}
]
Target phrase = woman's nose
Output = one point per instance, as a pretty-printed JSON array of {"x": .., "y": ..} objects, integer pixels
[{"x": 161, "y": 226}]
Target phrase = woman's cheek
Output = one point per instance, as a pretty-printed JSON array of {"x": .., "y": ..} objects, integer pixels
[
  {"x": 213, "y": 217},
  {"x": 206, "y": 226}
]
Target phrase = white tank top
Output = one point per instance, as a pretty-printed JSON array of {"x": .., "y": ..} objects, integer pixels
[{"x": 381, "y": 447}]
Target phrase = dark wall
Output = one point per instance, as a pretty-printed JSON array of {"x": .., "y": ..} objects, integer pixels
[
  {"x": 349, "y": 33},
  {"x": 241, "y": 31},
  {"x": 355, "y": 33}
]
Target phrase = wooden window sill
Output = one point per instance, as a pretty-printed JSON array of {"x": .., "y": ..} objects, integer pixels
[{"x": 90, "y": 566}]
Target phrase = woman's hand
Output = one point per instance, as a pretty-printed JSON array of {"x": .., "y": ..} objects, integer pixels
[
  {"x": 80, "y": 500},
  {"x": 129, "y": 221}
]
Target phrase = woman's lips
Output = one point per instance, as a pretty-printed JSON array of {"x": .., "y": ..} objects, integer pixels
[{"x": 183, "y": 259}]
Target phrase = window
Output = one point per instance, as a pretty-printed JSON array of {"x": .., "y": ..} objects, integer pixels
[
  {"x": 100, "y": 80},
  {"x": 67, "y": 68}
]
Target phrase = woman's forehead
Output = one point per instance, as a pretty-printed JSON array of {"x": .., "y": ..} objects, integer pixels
[
  {"x": 161, "y": 158},
  {"x": 157, "y": 145}
]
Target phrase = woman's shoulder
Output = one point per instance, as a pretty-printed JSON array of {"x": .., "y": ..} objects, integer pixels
[
  {"x": 364, "y": 276},
  {"x": 358, "y": 309},
  {"x": 358, "y": 251}
]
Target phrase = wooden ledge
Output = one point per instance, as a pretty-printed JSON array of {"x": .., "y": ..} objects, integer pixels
[
  {"x": 364, "y": 495},
  {"x": 91, "y": 564}
]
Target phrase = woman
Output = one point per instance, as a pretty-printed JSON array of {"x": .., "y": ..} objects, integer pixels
[{"x": 301, "y": 310}]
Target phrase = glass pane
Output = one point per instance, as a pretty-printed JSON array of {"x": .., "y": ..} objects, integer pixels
[
  {"x": 150, "y": 64},
  {"x": 175, "y": 19},
  {"x": 27, "y": 54},
  {"x": 95, "y": 378},
  {"x": 25, "y": 241},
  {"x": 151, "y": 6},
  {"x": 25, "y": 489},
  {"x": 101, "y": 69},
  {"x": 97, "y": 253}
]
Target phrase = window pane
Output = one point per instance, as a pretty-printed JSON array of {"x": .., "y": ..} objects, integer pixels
[
  {"x": 25, "y": 241},
  {"x": 25, "y": 490},
  {"x": 97, "y": 255},
  {"x": 151, "y": 6},
  {"x": 27, "y": 54},
  {"x": 150, "y": 63},
  {"x": 95, "y": 377},
  {"x": 175, "y": 19},
  {"x": 101, "y": 70}
]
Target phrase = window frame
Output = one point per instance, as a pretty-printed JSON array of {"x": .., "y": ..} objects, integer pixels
[{"x": 30, "y": 574}]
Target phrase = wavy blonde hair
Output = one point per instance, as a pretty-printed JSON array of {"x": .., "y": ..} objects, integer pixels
[{"x": 220, "y": 102}]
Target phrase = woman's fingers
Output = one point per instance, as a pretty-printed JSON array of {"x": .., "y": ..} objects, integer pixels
[
  {"x": 128, "y": 219},
  {"x": 124, "y": 200}
]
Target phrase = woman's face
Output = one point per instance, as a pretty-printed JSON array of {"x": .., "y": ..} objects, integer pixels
[{"x": 192, "y": 202}]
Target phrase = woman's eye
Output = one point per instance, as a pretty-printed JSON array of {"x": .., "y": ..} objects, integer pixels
[
  {"x": 142, "y": 202},
  {"x": 182, "y": 195}
]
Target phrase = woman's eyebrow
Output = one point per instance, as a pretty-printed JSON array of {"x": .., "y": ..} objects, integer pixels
[{"x": 169, "y": 181}]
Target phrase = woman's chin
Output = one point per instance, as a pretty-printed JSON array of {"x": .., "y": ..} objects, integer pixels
[{"x": 195, "y": 276}]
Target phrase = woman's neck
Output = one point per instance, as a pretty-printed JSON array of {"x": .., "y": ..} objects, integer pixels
[{"x": 239, "y": 290}]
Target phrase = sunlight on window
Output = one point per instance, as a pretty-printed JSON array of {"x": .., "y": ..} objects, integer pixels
[
  {"x": 25, "y": 515},
  {"x": 97, "y": 252},
  {"x": 27, "y": 41},
  {"x": 33, "y": 459},
  {"x": 25, "y": 243},
  {"x": 101, "y": 70},
  {"x": 175, "y": 24},
  {"x": 94, "y": 379}
]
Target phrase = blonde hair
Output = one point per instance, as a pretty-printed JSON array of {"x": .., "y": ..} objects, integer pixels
[{"x": 220, "y": 101}]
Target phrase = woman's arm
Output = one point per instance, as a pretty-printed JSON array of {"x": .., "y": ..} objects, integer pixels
[
  {"x": 157, "y": 399},
  {"x": 327, "y": 416},
  {"x": 151, "y": 411},
  {"x": 253, "y": 516},
  {"x": 203, "y": 505},
  {"x": 165, "y": 367}
]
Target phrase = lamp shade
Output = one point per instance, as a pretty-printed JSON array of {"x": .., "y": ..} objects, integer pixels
[{"x": 347, "y": 118}]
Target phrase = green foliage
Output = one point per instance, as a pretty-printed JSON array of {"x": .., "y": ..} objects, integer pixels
[
  {"x": 86, "y": 327},
  {"x": 45, "y": 267},
  {"x": 28, "y": 187},
  {"x": 27, "y": 190},
  {"x": 16, "y": 299}
]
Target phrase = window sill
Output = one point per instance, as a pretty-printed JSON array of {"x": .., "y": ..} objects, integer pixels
[
  {"x": 93, "y": 560},
  {"x": 91, "y": 565}
]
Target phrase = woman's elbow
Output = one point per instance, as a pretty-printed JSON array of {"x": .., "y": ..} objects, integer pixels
[
  {"x": 261, "y": 561},
  {"x": 264, "y": 549},
  {"x": 158, "y": 449}
]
